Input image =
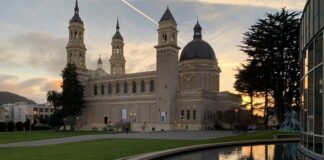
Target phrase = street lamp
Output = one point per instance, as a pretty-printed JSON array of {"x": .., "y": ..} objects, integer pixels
[{"x": 236, "y": 110}]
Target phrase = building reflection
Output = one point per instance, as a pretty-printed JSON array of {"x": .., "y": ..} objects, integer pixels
[{"x": 251, "y": 152}]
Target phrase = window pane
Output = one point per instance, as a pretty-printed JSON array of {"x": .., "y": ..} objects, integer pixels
[
  {"x": 322, "y": 13},
  {"x": 310, "y": 93},
  {"x": 188, "y": 114},
  {"x": 310, "y": 143},
  {"x": 194, "y": 114},
  {"x": 311, "y": 17},
  {"x": 305, "y": 140},
  {"x": 305, "y": 102},
  {"x": 117, "y": 88},
  {"x": 319, "y": 49},
  {"x": 318, "y": 99},
  {"x": 310, "y": 56},
  {"x": 318, "y": 145}
]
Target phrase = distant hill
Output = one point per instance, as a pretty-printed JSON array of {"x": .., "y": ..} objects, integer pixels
[{"x": 7, "y": 97}]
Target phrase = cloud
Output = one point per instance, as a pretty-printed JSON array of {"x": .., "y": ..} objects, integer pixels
[
  {"x": 34, "y": 88},
  {"x": 34, "y": 50},
  {"x": 289, "y": 4}
]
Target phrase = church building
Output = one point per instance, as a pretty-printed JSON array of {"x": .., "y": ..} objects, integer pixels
[{"x": 182, "y": 94}]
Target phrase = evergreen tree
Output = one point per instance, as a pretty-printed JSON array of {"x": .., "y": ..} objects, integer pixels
[
  {"x": 272, "y": 45},
  {"x": 72, "y": 94}
]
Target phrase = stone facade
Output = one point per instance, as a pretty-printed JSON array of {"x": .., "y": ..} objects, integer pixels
[{"x": 180, "y": 94}]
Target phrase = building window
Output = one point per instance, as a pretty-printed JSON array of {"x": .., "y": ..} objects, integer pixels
[
  {"x": 164, "y": 37},
  {"x": 106, "y": 120},
  {"x": 318, "y": 145},
  {"x": 318, "y": 99},
  {"x": 163, "y": 118},
  {"x": 134, "y": 87},
  {"x": 117, "y": 88},
  {"x": 319, "y": 50},
  {"x": 182, "y": 115},
  {"x": 125, "y": 87},
  {"x": 151, "y": 85},
  {"x": 194, "y": 114},
  {"x": 205, "y": 113},
  {"x": 109, "y": 88},
  {"x": 310, "y": 143},
  {"x": 310, "y": 93},
  {"x": 188, "y": 114},
  {"x": 102, "y": 89},
  {"x": 142, "y": 86},
  {"x": 95, "y": 92}
]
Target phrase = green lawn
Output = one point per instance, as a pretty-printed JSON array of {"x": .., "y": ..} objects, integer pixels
[
  {"x": 113, "y": 148},
  {"x": 7, "y": 137}
]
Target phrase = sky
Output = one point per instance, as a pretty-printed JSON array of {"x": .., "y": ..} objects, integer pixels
[{"x": 34, "y": 34}]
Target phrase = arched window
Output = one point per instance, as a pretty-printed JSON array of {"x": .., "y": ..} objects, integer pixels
[
  {"x": 95, "y": 92},
  {"x": 75, "y": 34},
  {"x": 164, "y": 37},
  {"x": 152, "y": 85},
  {"x": 117, "y": 50},
  {"x": 117, "y": 88},
  {"x": 142, "y": 86},
  {"x": 109, "y": 88},
  {"x": 134, "y": 87},
  {"x": 102, "y": 89},
  {"x": 125, "y": 87}
]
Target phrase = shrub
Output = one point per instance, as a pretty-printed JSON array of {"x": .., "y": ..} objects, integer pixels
[
  {"x": 27, "y": 124},
  {"x": 19, "y": 126},
  {"x": 42, "y": 127},
  {"x": 56, "y": 120},
  {"x": 11, "y": 126},
  {"x": 3, "y": 126}
]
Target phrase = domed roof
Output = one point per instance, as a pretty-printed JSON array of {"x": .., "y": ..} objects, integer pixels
[{"x": 197, "y": 48}]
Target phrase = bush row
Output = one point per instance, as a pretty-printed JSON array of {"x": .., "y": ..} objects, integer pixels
[{"x": 19, "y": 126}]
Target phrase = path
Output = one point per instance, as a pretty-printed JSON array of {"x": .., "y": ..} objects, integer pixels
[{"x": 177, "y": 135}]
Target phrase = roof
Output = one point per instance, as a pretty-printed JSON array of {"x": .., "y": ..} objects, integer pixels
[{"x": 167, "y": 16}]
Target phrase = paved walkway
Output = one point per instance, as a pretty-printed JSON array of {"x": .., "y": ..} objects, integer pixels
[{"x": 176, "y": 135}]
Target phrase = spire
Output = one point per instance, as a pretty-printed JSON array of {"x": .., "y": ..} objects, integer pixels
[
  {"x": 117, "y": 26},
  {"x": 76, "y": 17},
  {"x": 76, "y": 8},
  {"x": 99, "y": 62},
  {"x": 117, "y": 34},
  {"x": 197, "y": 31},
  {"x": 167, "y": 16}
]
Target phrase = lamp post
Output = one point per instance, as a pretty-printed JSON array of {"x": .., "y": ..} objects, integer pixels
[{"x": 236, "y": 110}]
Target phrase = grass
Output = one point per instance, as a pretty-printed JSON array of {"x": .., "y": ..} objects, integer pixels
[
  {"x": 113, "y": 148},
  {"x": 7, "y": 137}
]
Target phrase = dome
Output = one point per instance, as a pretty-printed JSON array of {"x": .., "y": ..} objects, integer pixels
[{"x": 197, "y": 49}]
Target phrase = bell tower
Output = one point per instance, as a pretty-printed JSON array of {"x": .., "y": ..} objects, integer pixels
[
  {"x": 167, "y": 68},
  {"x": 75, "y": 48},
  {"x": 117, "y": 59}
]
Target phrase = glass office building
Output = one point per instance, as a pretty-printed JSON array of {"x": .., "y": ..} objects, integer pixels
[{"x": 311, "y": 58}]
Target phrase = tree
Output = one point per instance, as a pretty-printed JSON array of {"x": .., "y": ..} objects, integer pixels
[
  {"x": 54, "y": 97},
  {"x": 72, "y": 94},
  {"x": 272, "y": 45}
]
